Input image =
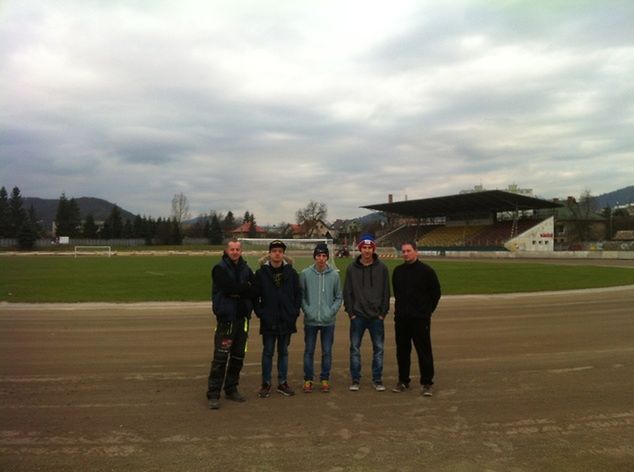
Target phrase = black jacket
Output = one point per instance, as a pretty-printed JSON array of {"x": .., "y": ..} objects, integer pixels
[
  {"x": 232, "y": 289},
  {"x": 277, "y": 307},
  {"x": 416, "y": 290}
]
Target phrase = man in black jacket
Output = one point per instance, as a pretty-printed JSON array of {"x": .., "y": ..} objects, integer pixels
[
  {"x": 277, "y": 306},
  {"x": 232, "y": 292},
  {"x": 416, "y": 294}
]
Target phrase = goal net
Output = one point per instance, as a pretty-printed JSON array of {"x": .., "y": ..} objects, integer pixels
[
  {"x": 301, "y": 250},
  {"x": 93, "y": 251}
]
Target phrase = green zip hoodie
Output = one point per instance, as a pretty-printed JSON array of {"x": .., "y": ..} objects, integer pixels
[{"x": 321, "y": 295}]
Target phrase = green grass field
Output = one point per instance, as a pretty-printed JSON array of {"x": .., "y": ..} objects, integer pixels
[{"x": 187, "y": 278}]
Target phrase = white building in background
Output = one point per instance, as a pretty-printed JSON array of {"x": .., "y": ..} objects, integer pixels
[{"x": 539, "y": 238}]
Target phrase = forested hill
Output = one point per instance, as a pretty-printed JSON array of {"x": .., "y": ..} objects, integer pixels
[{"x": 45, "y": 209}]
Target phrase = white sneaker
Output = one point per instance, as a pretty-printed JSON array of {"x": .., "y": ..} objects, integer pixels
[
  {"x": 379, "y": 387},
  {"x": 426, "y": 389},
  {"x": 354, "y": 387}
]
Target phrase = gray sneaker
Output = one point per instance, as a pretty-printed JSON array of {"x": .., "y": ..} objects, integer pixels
[
  {"x": 379, "y": 387},
  {"x": 213, "y": 404},
  {"x": 400, "y": 387},
  {"x": 235, "y": 396},
  {"x": 426, "y": 389},
  {"x": 354, "y": 387}
]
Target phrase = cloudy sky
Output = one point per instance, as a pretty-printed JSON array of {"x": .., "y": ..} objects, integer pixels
[{"x": 265, "y": 105}]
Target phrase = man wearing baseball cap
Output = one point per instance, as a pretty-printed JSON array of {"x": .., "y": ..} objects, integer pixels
[
  {"x": 366, "y": 298},
  {"x": 277, "y": 306},
  {"x": 321, "y": 300}
]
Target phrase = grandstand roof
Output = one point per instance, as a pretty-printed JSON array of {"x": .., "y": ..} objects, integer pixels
[{"x": 488, "y": 200}]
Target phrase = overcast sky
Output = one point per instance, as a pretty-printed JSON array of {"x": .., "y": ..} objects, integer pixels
[{"x": 265, "y": 105}]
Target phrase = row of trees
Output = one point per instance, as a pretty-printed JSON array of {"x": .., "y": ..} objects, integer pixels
[{"x": 15, "y": 221}]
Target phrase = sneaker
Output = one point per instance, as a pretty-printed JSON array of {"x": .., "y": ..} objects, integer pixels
[
  {"x": 285, "y": 389},
  {"x": 325, "y": 386},
  {"x": 235, "y": 396},
  {"x": 308, "y": 386},
  {"x": 213, "y": 403},
  {"x": 355, "y": 386},
  {"x": 427, "y": 390},
  {"x": 379, "y": 387},
  {"x": 400, "y": 387},
  {"x": 265, "y": 391}
]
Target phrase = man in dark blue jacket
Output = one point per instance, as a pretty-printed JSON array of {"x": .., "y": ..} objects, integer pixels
[
  {"x": 232, "y": 293},
  {"x": 277, "y": 305},
  {"x": 416, "y": 296}
]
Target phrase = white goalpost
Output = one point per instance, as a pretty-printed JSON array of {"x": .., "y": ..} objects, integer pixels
[
  {"x": 294, "y": 247},
  {"x": 93, "y": 251}
]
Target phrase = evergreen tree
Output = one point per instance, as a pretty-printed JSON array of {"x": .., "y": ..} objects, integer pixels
[
  {"x": 5, "y": 214},
  {"x": 253, "y": 228},
  {"x": 32, "y": 219},
  {"x": 207, "y": 230},
  {"x": 215, "y": 231},
  {"x": 229, "y": 223},
  {"x": 247, "y": 217},
  {"x": 176, "y": 236},
  {"x": 17, "y": 215},
  {"x": 115, "y": 223},
  {"x": 127, "y": 231},
  {"x": 89, "y": 229},
  {"x": 67, "y": 218}
]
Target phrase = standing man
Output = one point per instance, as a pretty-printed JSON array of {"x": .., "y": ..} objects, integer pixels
[
  {"x": 277, "y": 306},
  {"x": 417, "y": 292},
  {"x": 231, "y": 293},
  {"x": 321, "y": 300},
  {"x": 366, "y": 298}
]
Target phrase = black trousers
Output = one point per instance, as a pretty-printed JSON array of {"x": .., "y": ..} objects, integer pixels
[
  {"x": 230, "y": 345},
  {"x": 418, "y": 332}
]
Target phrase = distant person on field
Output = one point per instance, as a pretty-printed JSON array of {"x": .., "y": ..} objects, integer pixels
[
  {"x": 232, "y": 292},
  {"x": 321, "y": 300},
  {"x": 417, "y": 292},
  {"x": 366, "y": 298},
  {"x": 277, "y": 305}
]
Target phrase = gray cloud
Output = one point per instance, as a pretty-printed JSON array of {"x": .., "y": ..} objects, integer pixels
[{"x": 264, "y": 106}]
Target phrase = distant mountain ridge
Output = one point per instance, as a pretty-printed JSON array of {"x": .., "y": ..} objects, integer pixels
[
  {"x": 46, "y": 209},
  {"x": 621, "y": 196}
]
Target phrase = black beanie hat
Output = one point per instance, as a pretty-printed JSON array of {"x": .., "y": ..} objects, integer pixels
[{"x": 321, "y": 248}]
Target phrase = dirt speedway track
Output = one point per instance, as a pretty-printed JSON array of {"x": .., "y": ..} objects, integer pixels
[{"x": 531, "y": 382}]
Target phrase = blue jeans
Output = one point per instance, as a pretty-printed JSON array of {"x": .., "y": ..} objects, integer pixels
[
  {"x": 310, "y": 340},
  {"x": 269, "y": 341},
  {"x": 377, "y": 334}
]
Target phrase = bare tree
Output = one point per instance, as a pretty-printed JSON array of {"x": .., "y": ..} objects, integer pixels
[
  {"x": 310, "y": 215},
  {"x": 180, "y": 209}
]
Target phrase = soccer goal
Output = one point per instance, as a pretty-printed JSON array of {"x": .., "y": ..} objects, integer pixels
[
  {"x": 93, "y": 251},
  {"x": 296, "y": 248}
]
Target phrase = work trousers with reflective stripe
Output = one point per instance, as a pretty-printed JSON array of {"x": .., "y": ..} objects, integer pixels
[{"x": 230, "y": 346}]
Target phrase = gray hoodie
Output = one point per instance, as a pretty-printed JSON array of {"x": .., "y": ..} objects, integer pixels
[{"x": 366, "y": 291}]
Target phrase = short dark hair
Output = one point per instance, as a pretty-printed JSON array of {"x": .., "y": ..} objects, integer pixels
[
  {"x": 411, "y": 243},
  {"x": 234, "y": 240}
]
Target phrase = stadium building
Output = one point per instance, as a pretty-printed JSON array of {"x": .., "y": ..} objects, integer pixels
[{"x": 489, "y": 220}]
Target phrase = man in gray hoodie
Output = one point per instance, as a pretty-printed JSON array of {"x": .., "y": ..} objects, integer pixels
[
  {"x": 366, "y": 298},
  {"x": 321, "y": 300}
]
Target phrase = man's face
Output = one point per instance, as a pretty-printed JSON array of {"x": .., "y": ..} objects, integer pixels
[
  {"x": 367, "y": 250},
  {"x": 408, "y": 253},
  {"x": 321, "y": 261},
  {"x": 277, "y": 255},
  {"x": 234, "y": 251}
]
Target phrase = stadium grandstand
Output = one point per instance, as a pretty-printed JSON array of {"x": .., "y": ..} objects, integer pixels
[{"x": 489, "y": 220}]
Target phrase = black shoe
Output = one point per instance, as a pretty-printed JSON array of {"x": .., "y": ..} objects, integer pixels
[
  {"x": 285, "y": 390},
  {"x": 265, "y": 391},
  {"x": 235, "y": 396},
  {"x": 213, "y": 404},
  {"x": 426, "y": 389}
]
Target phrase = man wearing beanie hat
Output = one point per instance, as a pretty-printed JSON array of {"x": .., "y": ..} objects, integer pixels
[
  {"x": 277, "y": 306},
  {"x": 321, "y": 300},
  {"x": 366, "y": 298}
]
